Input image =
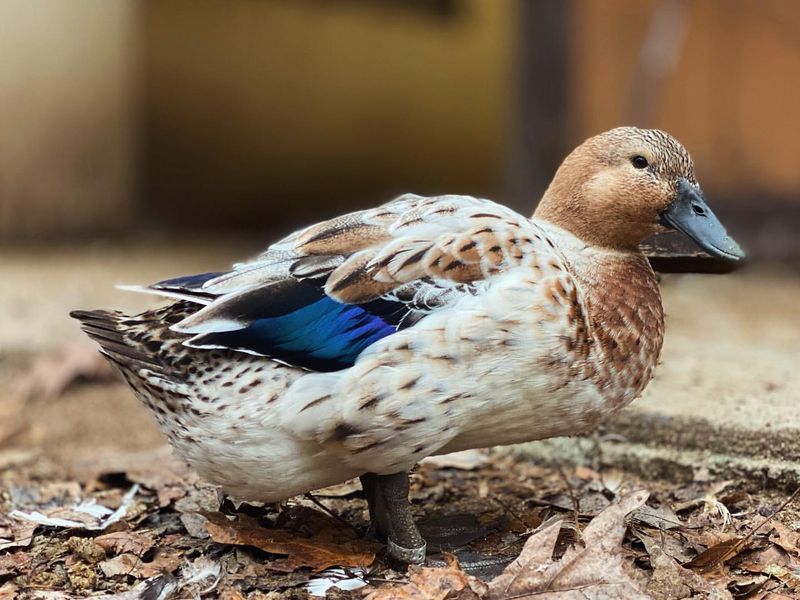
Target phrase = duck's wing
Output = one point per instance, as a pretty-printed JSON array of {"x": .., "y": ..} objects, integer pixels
[
  {"x": 446, "y": 240},
  {"x": 319, "y": 297}
]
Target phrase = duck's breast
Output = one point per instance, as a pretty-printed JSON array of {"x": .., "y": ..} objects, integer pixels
[{"x": 498, "y": 367}]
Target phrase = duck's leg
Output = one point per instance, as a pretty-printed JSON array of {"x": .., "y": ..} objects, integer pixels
[
  {"x": 392, "y": 508},
  {"x": 378, "y": 527}
]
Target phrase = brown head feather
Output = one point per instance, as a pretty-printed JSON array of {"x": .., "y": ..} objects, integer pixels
[{"x": 602, "y": 198}]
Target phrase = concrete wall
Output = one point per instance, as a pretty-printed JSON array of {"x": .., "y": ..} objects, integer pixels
[
  {"x": 67, "y": 115},
  {"x": 732, "y": 94},
  {"x": 321, "y": 106},
  {"x": 235, "y": 112}
]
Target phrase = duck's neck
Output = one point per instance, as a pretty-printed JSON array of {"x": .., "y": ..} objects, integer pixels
[
  {"x": 589, "y": 210},
  {"x": 625, "y": 318}
]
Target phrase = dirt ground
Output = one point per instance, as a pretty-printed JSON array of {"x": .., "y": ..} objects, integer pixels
[{"x": 69, "y": 433}]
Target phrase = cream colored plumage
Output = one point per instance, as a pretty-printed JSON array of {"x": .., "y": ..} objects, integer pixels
[{"x": 365, "y": 343}]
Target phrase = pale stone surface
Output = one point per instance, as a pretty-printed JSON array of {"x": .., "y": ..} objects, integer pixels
[{"x": 732, "y": 350}]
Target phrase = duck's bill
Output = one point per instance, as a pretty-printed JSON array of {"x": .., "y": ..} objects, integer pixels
[{"x": 690, "y": 215}]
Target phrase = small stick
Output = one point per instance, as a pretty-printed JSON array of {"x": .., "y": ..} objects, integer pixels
[
  {"x": 772, "y": 516},
  {"x": 512, "y": 513},
  {"x": 328, "y": 511},
  {"x": 575, "y": 504}
]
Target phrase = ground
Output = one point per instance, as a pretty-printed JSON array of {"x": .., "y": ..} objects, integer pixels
[{"x": 723, "y": 398}]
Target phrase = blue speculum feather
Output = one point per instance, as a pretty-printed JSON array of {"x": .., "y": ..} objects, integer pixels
[
  {"x": 327, "y": 333},
  {"x": 294, "y": 321}
]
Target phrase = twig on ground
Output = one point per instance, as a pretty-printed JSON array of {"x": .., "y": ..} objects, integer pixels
[
  {"x": 328, "y": 511},
  {"x": 576, "y": 507}
]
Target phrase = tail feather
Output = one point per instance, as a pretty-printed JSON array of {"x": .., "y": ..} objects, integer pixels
[
  {"x": 104, "y": 327},
  {"x": 150, "y": 357}
]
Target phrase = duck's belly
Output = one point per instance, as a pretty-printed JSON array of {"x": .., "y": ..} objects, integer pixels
[
  {"x": 266, "y": 467},
  {"x": 573, "y": 409},
  {"x": 229, "y": 435},
  {"x": 267, "y": 463}
]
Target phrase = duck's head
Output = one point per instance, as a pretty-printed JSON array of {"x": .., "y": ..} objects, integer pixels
[{"x": 624, "y": 185}]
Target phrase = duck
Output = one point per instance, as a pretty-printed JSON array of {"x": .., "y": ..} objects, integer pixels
[{"x": 362, "y": 344}]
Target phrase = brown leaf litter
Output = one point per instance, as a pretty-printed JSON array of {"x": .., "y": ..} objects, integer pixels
[
  {"x": 330, "y": 546},
  {"x": 434, "y": 583},
  {"x": 722, "y": 552},
  {"x": 535, "y": 532},
  {"x": 590, "y": 570}
]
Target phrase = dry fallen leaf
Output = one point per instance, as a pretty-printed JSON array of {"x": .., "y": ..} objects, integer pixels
[
  {"x": 13, "y": 562},
  {"x": 124, "y": 564},
  {"x": 198, "y": 499},
  {"x": 530, "y": 566},
  {"x": 16, "y": 534},
  {"x": 230, "y": 593},
  {"x": 786, "y": 538},
  {"x": 58, "y": 492},
  {"x": 433, "y": 583},
  {"x": 594, "y": 571},
  {"x": 590, "y": 504},
  {"x": 168, "y": 494},
  {"x": 673, "y": 546},
  {"x": 764, "y": 560},
  {"x": 717, "y": 555},
  {"x": 8, "y": 591},
  {"x": 50, "y": 376},
  {"x": 125, "y": 542},
  {"x": 465, "y": 460},
  {"x": 671, "y": 580},
  {"x": 164, "y": 561},
  {"x": 662, "y": 517},
  {"x": 330, "y": 547}
]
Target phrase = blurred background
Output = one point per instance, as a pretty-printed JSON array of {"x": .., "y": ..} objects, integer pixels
[
  {"x": 253, "y": 116},
  {"x": 142, "y": 139}
]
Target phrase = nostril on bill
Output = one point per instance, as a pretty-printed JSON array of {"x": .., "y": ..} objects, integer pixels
[{"x": 698, "y": 210}]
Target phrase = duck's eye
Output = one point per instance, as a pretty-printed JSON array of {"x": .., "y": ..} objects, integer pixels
[{"x": 639, "y": 161}]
